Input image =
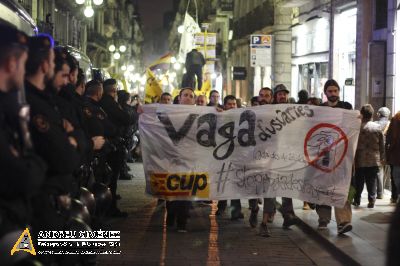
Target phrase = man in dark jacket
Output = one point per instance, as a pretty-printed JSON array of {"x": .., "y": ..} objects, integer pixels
[
  {"x": 22, "y": 171},
  {"x": 194, "y": 66},
  {"x": 121, "y": 120},
  {"x": 343, "y": 215}
]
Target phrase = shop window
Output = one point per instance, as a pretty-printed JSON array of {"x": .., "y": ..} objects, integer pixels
[{"x": 381, "y": 10}]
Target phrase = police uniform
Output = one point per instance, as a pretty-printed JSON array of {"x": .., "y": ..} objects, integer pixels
[{"x": 22, "y": 171}]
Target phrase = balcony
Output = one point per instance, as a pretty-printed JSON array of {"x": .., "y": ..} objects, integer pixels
[
  {"x": 260, "y": 17},
  {"x": 96, "y": 38}
]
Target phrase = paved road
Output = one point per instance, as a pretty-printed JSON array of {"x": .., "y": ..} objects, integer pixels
[{"x": 210, "y": 240}]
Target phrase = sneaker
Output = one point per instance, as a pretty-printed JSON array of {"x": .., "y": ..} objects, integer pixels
[
  {"x": 253, "y": 219},
  {"x": 264, "y": 230},
  {"x": 371, "y": 204},
  {"x": 322, "y": 226},
  {"x": 356, "y": 203},
  {"x": 289, "y": 220},
  {"x": 344, "y": 228}
]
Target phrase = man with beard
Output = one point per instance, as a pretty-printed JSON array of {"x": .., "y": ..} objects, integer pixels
[
  {"x": 343, "y": 215},
  {"x": 51, "y": 137},
  {"x": 265, "y": 96},
  {"x": 22, "y": 171}
]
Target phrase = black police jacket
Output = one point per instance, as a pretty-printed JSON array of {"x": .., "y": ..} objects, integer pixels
[
  {"x": 22, "y": 171},
  {"x": 51, "y": 141},
  {"x": 115, "y": 113}
]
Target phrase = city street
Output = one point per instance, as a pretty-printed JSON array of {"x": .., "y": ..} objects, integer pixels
[{"x": 145, "y": 239}]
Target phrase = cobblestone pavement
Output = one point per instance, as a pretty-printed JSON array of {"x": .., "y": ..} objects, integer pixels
[{"x": 209, "y": 240}]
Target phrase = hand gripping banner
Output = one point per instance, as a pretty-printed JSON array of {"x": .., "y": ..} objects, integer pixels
[{"x": 286, "y": 150}]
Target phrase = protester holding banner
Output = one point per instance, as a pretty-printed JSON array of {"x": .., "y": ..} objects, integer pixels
[
  {"x": 281, "y": 96},
  {"x": 265, "y": 96},
  {"x": 178, "y": 210},
  {"x": 214, "y": 99},
  {"x": 343, "y": 215},
  {"x": 236, "y": 212}
]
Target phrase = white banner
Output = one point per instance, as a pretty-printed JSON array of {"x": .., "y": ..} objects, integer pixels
[
  {"x": 187, "y": 39},
  {"x": 296, "y": 151}
]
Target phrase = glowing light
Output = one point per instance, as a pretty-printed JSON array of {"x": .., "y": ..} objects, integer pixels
[
  {"x": 173, "y": 60},
  {"x": 177, "y": 66},
  {"x": 80, "y": 2},
  {"x": 131, "y": 68},
  {"x": 88, "y": 12},
  {"x": 117, "y": 56},
  {"x": 122, "y": 48},
  {"x": 123, "y": 68},
  {"x": 97, "y": 2},
  {"x": 181, "y": 29},
  {"x": 111, "y": 48}
]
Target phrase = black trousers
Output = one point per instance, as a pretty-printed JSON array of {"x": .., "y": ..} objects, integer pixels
[
  {"x": 198, "y": 71},
  {"x": 178, "y": 211},
  {"x": 369, "y": 176},
  {"x": 116, "y": 161}
]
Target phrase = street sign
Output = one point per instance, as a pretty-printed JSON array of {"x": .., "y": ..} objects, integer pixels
[
  {"x": 211, "y": 38},
  {"x": 239, "y": 73},
  {"x": 260, "y": 50}
]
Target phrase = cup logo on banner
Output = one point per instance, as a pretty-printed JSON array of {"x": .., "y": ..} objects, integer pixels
[{"x": 180, "y": 184}]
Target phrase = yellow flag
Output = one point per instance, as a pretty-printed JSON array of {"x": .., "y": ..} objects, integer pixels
[{"x": 153, "y": 89}]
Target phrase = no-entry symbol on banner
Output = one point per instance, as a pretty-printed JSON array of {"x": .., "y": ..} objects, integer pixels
[{"x": 325, "y": 147}]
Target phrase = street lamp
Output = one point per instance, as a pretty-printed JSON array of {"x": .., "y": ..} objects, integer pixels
[
  {"x": 80, "y": 2},
  {"x": 131, "y": 68},
  {"x": 117, "y": 55},
  {"x": 97, "y": 2},
  {"x": 173, "y": 60},
  {"x": 123, "y": 68},
  {"x": 88, "y": 12},
  {"x": 122, "y": 48},
  {"x": 111, "y": 48},
  {"x": 181, "y": 29}
]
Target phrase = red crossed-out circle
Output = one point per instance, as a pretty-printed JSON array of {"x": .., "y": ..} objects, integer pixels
[{"x": 342, "y": 137}]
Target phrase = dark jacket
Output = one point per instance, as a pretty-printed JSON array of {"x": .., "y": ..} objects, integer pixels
[
  {"x": 392, "y": 144},
  {"x": 22, "y": 171},
  {"x": 51, "y": 141},
  {"x": 340, "y": 104},
  {"x": 194, "y": 57},
  {"x": 115, "y": 113}
]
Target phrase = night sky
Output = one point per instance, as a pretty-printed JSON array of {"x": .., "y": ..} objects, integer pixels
[{"x": 152, "y": 12}]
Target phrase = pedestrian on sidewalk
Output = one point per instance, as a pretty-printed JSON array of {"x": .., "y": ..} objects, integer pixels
[
  {"x": 369, "y": 156},
  {"x": 393, "y": 150},
  {"x": 343, "y": 215},
  {"x": 383, "y": 115}
]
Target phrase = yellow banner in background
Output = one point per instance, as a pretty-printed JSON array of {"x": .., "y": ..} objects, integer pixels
[{"x": 153, "y": 89}]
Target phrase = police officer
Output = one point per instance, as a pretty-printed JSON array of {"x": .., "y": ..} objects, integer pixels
[
  {"x": 22, "y": 172},
  {"x": 121, "y": 120},
  {"x": 99, "y": 124},
  {"x": 51, "y": 137}
]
